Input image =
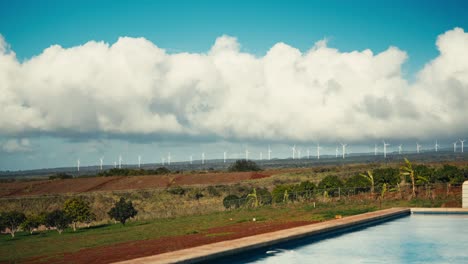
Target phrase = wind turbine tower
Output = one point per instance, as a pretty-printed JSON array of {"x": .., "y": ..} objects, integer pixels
[
  {"x": 336, "y": 152},
  {"x": 169, "y": 158},
  {"x": 293, "y": 151},
  {"x": 120, "y": 161},
  {"x": 102, "y": 161},
  {"x": 418, "y": 148},
  {"x": 385, "y": 149},
  {"x": 78, "y": 164},
  {"x": 318, "y": 151},
  {"x": 375, "y": 149},
  {"x": 224, "y": 156},
  {"x": 139, "y": 161},
  {"x": 308, "y": 154},
  {"x": 400, "y": 148},
  {"x": 455, "y": 146},
  {"x": 203, "y": 158},
  {"x": 191, "y": 159},
  {"x": 436, "y": 146},
  {"x": 344, "y": 149},
  {"x": 115, "y": 164},
  {"x": 462, "y": 141},
  {"x": 269, "y": 152}
]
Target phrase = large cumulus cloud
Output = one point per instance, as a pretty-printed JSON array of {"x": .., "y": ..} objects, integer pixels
[{"x": 133, "y": 87}]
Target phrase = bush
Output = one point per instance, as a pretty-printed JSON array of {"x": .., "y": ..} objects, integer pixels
[
  {"x": 358, "y": 183},
  {"x": 330, "y": 184},
  {"x": 244, "y": 165},
  {"x": 77, "y": 210},
  {"x": 264, "y": 196},
  {"x": 231, "y": 201},
  {"x": 389, "y": 176},
  {"x": 61, "y": 176},
  {"x": 449, "y": 173},
  {"x": 213, "y": 191},
  {"x": 282, "y": 193},
  {"x": 305, "y": 189},
  {"x": 177, "y": 190}
]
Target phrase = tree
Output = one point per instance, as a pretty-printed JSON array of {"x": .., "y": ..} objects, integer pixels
[
  {"x": 77, "y": 210},
  {"x": 12, "y": 220},
  {"x": 57, "y": 219},
  {"x": 122, "y": 211},
  {"x": 407, "y": 170},
  {"x": 244, "y": 165},
  {"x": 32, "y": 222}
]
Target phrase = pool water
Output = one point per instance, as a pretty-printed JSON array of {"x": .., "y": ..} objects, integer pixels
[{"x": 418, "y": 238}]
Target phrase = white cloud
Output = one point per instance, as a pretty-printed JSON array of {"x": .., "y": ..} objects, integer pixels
[
  {"x": 16, "y": 145},
  {"x": 134, "y": 87}
]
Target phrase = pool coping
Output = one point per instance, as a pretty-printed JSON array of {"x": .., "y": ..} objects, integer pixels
[{"x": 229, "y": 247}]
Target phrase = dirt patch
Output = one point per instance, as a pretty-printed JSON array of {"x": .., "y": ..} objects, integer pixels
[{"x": 136, "y": 249}]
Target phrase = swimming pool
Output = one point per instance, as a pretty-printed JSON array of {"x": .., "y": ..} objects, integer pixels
[{"x": 418, "y": 238}]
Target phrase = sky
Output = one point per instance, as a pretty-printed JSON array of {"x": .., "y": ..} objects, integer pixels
[{"x": 90, "y": 79}]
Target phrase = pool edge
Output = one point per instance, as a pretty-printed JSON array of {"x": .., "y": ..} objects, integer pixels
[{"x": 229, "y": 247}]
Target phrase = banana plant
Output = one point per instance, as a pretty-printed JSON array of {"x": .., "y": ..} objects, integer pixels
[
  {"x": 370, "y": 178},
  {"x": 407, "y": 170},
  {"x": 254, "y": 197}
]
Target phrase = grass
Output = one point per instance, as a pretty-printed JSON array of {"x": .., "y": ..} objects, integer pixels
[{"x": 50, "y": 243}]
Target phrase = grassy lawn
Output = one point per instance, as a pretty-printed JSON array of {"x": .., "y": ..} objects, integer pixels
[{"x": 50, "y": 243}]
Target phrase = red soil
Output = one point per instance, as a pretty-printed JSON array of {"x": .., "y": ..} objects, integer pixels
[{"x": 136, "y": 249}]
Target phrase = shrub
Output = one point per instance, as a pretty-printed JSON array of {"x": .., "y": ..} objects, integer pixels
[
  {"x": 449, "y": 173},
  {"x": 60, "y": 175},
  {"x": 390, "y": 176},
  {"x": 213, "y": 191},
  {"x": 231, "y": 201},
  {"x": 32, "y": 222},
  {"x": 281, "y": 193},
  {"x": 122, "y": 211},
  {"x": 264, "y": 196},
  {"x": 244, "y": 165},
  {"x": 358, "y": 183},
  {"x": 177, "y": 190},
  {"x": 330, "y": 184},
  {"x": 305, "y": 189}
]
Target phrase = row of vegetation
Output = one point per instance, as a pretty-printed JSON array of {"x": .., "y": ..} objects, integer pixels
[{"x": 75, "y": 210}]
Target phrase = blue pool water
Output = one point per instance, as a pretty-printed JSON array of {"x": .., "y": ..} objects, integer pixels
[{"x": 418, "y": 238}]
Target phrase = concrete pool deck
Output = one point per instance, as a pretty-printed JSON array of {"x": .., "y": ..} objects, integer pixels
[{"x": 225, "y": 248}]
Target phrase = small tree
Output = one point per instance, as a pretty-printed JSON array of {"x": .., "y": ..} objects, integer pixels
[
  {"x": 12, "y": 220},
  {"x": 370, "y": 178},
  {"x": 77, "y": 210},
  {"x": 122, "y": 211},
  {"x": 32, "y": 222},
  {"x": 244, "y": 165},
  {"x": 407, "y": 170},
  {"x": 57, "y": 219}
]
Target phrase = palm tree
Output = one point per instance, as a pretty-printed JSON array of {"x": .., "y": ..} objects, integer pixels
[
  {"x": 370, "y": 177},
  {"x": 407, "y": 170}
]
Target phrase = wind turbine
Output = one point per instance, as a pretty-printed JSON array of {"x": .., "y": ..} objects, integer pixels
[
  {"x": 385, "y": 149},
  {"x": 269, "y": 152},
  {"x": 436, "y": 146},
  {"x": 418, "y": 147},
  {"x": 191, "y": 159},
  {"x": 102, "y": 161},
  {"x": 318, "y": 151},
  {"x": 169, "y": 158},
  {"x": 462, "y": 141},
  {"x": 78, "y": 164},
  {"x": 115, "y": 164},
  {"x": 336, "y": 152},
  {"x": 308, "y": 154},
  {"x": 120, "y": 161},
  {"x": 375, "y": 149},
  {"x": 224, "y": 156},
  {"x": 203, "y": 158},
  {"x": 455, "y": 146},
  {"x": 344, "y": 149},
  {"x": 139, "y": 161},
  {"x": 293, "y": 151},
  {"x": 400, "y": 148}
]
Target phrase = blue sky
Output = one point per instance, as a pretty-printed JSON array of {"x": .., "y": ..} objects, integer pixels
[{"x": 29, "y": 27}]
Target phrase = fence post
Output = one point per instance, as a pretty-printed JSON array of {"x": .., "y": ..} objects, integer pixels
[{"x": 339, "y": 193}]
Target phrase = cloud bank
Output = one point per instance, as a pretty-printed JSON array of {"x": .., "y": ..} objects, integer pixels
[{"x": 133, "y": 87}]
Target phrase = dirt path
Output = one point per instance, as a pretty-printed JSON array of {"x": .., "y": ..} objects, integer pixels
[{"x": 136, "y": 249}]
